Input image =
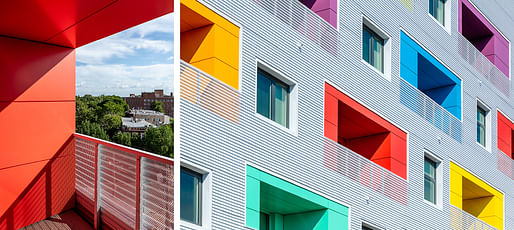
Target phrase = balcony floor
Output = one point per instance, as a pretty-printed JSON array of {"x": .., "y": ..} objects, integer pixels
[{"x": 67, "y": 220}]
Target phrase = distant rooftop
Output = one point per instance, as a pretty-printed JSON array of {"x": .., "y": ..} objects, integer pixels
[{"x": 130, "y": 122}]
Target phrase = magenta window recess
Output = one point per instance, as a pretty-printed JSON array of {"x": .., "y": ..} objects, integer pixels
[
  {"x": 326, "y": 9},
  {"x": 484, "y": 36}
]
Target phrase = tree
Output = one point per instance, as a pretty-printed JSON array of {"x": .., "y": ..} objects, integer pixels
[
  {"x": 92, "y": 129},
  {"x": 111, "y": 123},
  {"x": 122, "y": 138},
  {"x": 157, "y": 106},
  {"x": 159, "y": 140}
]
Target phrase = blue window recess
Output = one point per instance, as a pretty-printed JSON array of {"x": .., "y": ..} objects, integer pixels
[{"x": 429, "y": 88}]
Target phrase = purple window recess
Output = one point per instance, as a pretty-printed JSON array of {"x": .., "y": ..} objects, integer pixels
[
  {"x": 326, "y": 9},
  {"x": 484, "y": 36}
]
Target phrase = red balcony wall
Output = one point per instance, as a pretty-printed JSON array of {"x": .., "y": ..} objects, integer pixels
[
  {"x": 364, "y": 132},
  {"x": 37, "y": 116},
  {"x": 505, "y": 135}
]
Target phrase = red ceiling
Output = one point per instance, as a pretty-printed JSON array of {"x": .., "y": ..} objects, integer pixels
[{"x": 73, "y": 23}]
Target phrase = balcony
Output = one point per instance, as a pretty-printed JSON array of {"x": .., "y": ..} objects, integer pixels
[
  {"x": 427, "y": 108},
  {"x": 208, "y": 92},
  {"x": 483, "y": 65},
  {"x": 459, "y": 219},
  {"x": 505, "y": 164},
  {"x": 366, "y": 172},
  {"x": 117, "y": 187},
  {"x": 304, "y": 20}
]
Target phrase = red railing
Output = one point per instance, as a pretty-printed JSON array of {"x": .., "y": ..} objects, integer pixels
[{"x": 118, "y": 187}]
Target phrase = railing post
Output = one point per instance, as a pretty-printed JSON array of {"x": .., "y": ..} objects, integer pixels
[
  {"x": 96, "y": 207},
  {"x": 138, "y": 192}
]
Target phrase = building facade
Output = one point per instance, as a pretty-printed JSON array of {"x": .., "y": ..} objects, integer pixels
[
  {"x": 144, "y": 101},
  {"x": 354, "y": 114},
  {"x": 153, "y": 117}
]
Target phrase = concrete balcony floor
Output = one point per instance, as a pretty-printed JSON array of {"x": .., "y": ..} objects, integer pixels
[{"x": 66, "y": 220}]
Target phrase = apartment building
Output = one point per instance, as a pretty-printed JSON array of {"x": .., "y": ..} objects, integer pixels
[
  {"x": 328, "y": 114},
  {"x": 144, "y": 101}
]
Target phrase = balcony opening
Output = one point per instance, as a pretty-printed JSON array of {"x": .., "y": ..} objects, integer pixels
[
  {"x": 477, "y": 29},
  {"x": 437, "y": 85},
  {"x": 431, "y": 77},
  {"x": 326, "y": 9},
  {"x": 475, "y": 196},
  {"x": 273, "y": 203},
  {"x": 209, "y": 42},
  {"x": 364, "y": 132}
]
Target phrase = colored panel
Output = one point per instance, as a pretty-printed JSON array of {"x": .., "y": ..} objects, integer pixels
[
  {"x": 484, "y": 36},
  {"x": 40, "y": 189},
  {"x": 475, "y": 196},
  {"x": 36, "y": 72},
  {"x": 289, "y": 206},
  {"x": 408, "y": 4},
  {"x": 210, "y": 42},
  {"x": 505, "y": 132},
  {"x": 77, "y": 22},
  {"x": 326, "y": 9},
  {"x": 423, "y": 71},
  {"x": 45, "y": 125},
  {"x": 365, "y": 132}
]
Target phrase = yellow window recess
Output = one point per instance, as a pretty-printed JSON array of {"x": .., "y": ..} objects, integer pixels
[
  {"x": 209, "y": 42},
  {"x": 476, "y": 197}
]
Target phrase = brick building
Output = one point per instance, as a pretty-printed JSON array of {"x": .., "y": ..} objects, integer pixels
[{"x": 144, "y": 101}]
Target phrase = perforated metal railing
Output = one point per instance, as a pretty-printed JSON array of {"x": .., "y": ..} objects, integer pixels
[
  {"x": 483, "y": 65},
  {"x": 208, "y": 92},
  {"x": 359, "y": 169},
  {"x": 505, "y": 164},
  {"x": 303, "y": 20},
  {"x": 122, "y": 188},
  {"x": 427, "y": 108},
  {"x": 459, "y": 219}
]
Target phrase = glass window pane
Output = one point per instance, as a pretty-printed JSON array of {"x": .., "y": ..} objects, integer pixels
[
  {"x": 378, "y": 54},
  {"x": 429, "y": 168},
  {"x": 440, "y": 11},
  {"x": 190, "y": 196},
  {"x": 263, "y": 95},
  {"x": 366, "y": 43},
  {"x": 280, "y": 104},
  {"x": 431, "y": 6},
  {"x": 264, "y": 221},
  {"x": 429, "y": 191}
]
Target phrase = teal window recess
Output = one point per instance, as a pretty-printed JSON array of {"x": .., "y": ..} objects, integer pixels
[
  {"x": 436, "y": 9},
  {"x": 373, "y": 48},
  {"x": 275, "y": 204},
  {"x": 481, "y": 114},
  {"x": 430, "y": 180},
  {"x": 272, "y": 98}
]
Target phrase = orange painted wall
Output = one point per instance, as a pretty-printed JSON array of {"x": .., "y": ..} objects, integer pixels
[
  {"x": 37, "y": 116},
  {"x": 505, "y": 132}
]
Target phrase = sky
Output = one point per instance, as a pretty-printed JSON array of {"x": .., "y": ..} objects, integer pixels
[{"x": 136, "y": 60}]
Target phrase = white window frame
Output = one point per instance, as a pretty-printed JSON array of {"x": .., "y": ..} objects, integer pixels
[
  {"x": 447, "y": 16},
  {"x": 293, "y": 98},
  {"x": 438, "y": 180},
  {"x": 206, "y": 197},
  {"x": 488, "y": 126},
  {"x": 387, "y": 47}
]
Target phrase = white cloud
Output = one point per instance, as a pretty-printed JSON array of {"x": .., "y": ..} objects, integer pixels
[
  {"x": 127, "y": 43},
  {"x": 122, "y": 79}
]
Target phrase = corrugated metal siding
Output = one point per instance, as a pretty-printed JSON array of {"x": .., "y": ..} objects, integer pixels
[{"x": 224, "y": 147}]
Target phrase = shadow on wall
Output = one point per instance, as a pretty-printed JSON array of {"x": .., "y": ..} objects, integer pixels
[{"x": 50, "y": 192}]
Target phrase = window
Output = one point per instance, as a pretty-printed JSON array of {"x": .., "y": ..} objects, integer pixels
[
  {"x": 190, "y": 196},
  {"x": 433, "y": 180},
  {"x": 272, "y": 98},
  {"x": 366, "y": 226},
  {"x": 481, "y": 113},
  {"x": 430, "y": 180},
  {"x": 436, "y": 9},
  {"x": 373, "y": 48}
]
